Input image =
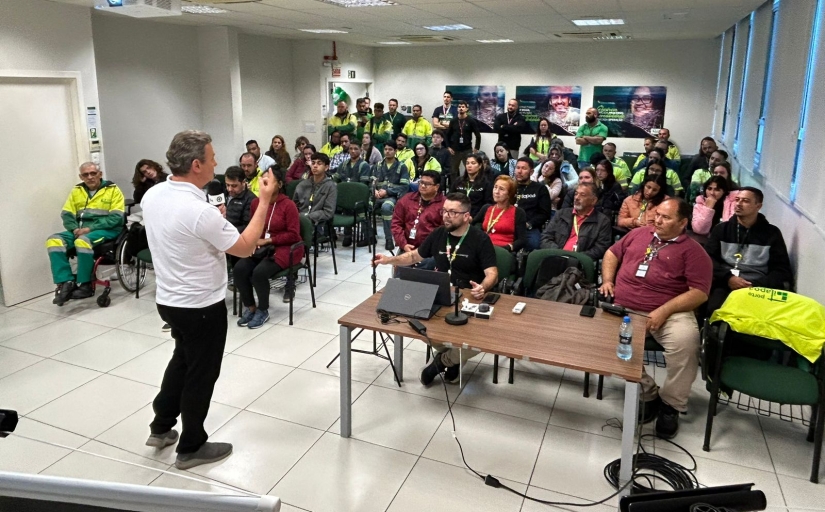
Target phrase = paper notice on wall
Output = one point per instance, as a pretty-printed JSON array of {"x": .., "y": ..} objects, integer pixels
[{"x": 93, "y": 125}]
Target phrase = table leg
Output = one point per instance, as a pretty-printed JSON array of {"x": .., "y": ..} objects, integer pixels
[
  {"x": 398, "y": 344},
  {"x": 345, "y": 365},
  {"x": 629, "y": 423}
]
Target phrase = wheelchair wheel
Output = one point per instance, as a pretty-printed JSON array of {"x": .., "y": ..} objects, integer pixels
[{"x": 129, "y": 273}]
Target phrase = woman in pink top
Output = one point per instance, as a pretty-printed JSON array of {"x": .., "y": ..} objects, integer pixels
[
  {"x": 715, "y": 206},
  {"x": 640, "y": 209}
]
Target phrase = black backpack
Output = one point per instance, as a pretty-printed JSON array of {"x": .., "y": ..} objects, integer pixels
[{"x": 553, "y": 266}]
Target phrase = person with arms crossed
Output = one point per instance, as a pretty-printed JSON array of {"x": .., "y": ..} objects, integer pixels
[
  {"x": 418, "y": 129},
  {"x": 590, "y": 136},
  {"x": 189, "y": 239},
  {"x": 459, "y": 139},
  {"x": 468, "y": 255},
  {"x": 509, "y": 125},
  {"x": 660, "y": 272},
  {"x": 445, "y": 113}
]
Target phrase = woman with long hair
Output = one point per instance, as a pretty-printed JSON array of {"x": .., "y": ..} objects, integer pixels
[
  {"x": 550, "y": 175},
  {"x": 277, "y": 151},
  {"x": 369, "y": 152},
  {"x": 502, "y": 163},
  {"x": 714, "y": 206},
  {"x": 613, "y": 195},
  {"x": 474, "y": 184},
  {"x": 300, "y": 142},
  {"x": 586, "y": 175},
  {"x": 505, "y": 224},
  {"x": 640, "y": 209},
  {"x": 148, "y": 173},
  {"x": 282, "y": 229},
  {"x": 301, "y": 168},
  {"x": 422, "y": 161},
  {"x": 539, "y": 146}
]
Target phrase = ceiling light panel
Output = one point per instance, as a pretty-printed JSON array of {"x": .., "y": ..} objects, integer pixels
[
  {"x": 442, "y": 28},
  {"x": 360, "y": 3},
  {"x": 594, "y": 22},
  {"x": 489, "y": 41},
  {"x": 202, "y": 9},
  {"x": 323, "y": 31},
  {"x": 394, "y": 42}
]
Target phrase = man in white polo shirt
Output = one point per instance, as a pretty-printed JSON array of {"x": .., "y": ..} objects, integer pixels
[{"x": 189, "y": 240}]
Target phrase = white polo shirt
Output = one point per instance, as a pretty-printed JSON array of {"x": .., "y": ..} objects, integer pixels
[{"x": 188, "y": 238}]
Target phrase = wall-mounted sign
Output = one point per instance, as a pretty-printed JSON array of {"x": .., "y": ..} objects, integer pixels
[
  {"x": 351, "y": 73},
  {"x": 336, "y": 71}
]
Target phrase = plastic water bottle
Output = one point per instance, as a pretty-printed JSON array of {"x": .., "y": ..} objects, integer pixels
[{"x": 625, "y": 348}]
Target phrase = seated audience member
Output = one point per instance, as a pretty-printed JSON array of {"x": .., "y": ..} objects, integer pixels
[
  {"x": 300, "y": 143},
  {"x": 418, "y": 129},
  {"x": 715, "y": 206},
  {"x": 649, "y": 144},
  {"x": 439, "y": 151},
  {"x": 147, "y": 174},
  {"x": 658, "y": 153},
  {"x": 402, "y": 152},
  {"x": 585, "y": 176},
  {"x": 301, "y": 168},
  {"x": 92, "y": 214},
  {"x": 392, "y": 181},
  {"x": 251, "y": 172},
  {"x": 671, "y": 150},
  {"x": 423, "y": 161},
  {"x": 612, "y": 194},
  {"x": 342, "y": 122},
  {"x": 333, "y": 147},
  {"x": 470, "y": 258},
  {"x": 475, "y": 184},
  {"x": 505, "y": 224},
  {"x": 370, "y": 152},
  {"x": 702, "y": 159},
  {"x": 355, "y": 169},
  {"x": 639, "y": 209},
  {"x": 418, "y": 214},
  {"x": 278, "y": 153},
  {"x": 509, "y": 126},
  {"x": 550, "y": 177},
  {"x": 379, "y": 128},
  {"x": 502, "y": 164},
  {"x": 539, "y": 148},
  {"x": 486, "y": 168},
  {"x": 717, "y": 158},
  {"x": 674, "y": 184},
  {"x": 263, "y": 162},
  {"x": 724, "y": 170},
  {"x": 282, "y": 229},
  {"x": 620, "y": 169},
  {"x": 581, "y": 228},
  {"x": 532, "y": 197},
  {"x": 342, "y": 156},
  {"x": 660, "y": 271},
  {"x": 317, "y": 196},
  {"x": 747, "y": 251},
  {"x": 569, "y": 174},
  {"x": 566, "y": 154},
  {"x": 237, "y": 209}
]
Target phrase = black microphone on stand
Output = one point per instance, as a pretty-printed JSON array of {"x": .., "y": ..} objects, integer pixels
[{"x": 457, "y": 317}]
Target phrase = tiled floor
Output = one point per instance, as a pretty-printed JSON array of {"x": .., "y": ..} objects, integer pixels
[{"x": 84, "y": 377}]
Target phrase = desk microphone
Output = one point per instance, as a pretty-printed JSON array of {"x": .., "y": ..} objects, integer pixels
[
  {"x": 214, "y": 193},
  {"x": 456, "y": 318}
]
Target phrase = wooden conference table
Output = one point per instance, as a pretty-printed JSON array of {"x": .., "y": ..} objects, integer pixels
[{"x": 546, "y": 332}]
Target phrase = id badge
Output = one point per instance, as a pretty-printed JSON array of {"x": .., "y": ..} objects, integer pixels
[
  {"x": 735, "y": 272},
  {"x": 412, "y": 234},
  {"x": 461, "y": 140},
  {"x": 267, "y": 236},
  {"x": 642, "y": 270},
  {"x": 575, "y": 247}
]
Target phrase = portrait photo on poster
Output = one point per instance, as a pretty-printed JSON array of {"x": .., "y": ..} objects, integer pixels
[
  {"x": 485, "y": 101},
  {"x": 631, "y": 111},
  {"x": 559, "y": 104}
]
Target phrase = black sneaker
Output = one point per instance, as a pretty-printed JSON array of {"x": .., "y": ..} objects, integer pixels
[
  {"x": 452, "y": 374},
  {"x": 288, "y": 295},
  {"x": 388, "y": 245},
  {"x": 667, "y": 424},
  {"x": 166, "y": 328},
  {"x": 365, "y": 242},
  {"x": 649, "y": 410},
  {"x": 83, "y": 291},
  {"x": 430, "y": 372},
  {"x": 347, "y": 241},
  {"x": 209, "y": 452},
  {"x": 63, "y": 293}
]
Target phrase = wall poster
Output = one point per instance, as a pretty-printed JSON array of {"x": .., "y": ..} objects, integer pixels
[
  {"x": 486, "y": 102},
  {"x": 631, "y": 111},
  {"x": 559, "y": 104}
]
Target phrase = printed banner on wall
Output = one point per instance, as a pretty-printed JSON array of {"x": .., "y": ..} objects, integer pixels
[
  {"x": 631, "y": 111},
  {"x": 559, "y": 104},
  {"x": 486, "y": 102}
]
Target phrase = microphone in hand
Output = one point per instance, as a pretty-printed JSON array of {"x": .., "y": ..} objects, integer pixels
[{"x": 214, "y": 193}]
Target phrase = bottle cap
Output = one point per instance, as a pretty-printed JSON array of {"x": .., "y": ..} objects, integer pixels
[{"x": 626, "y": 319}]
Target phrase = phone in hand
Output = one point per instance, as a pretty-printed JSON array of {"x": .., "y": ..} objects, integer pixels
[{"x": 588, "y": 311}]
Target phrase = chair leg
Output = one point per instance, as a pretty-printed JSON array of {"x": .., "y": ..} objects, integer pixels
[
  {"x": 512, "y": 371},
  {"x": 356, "y": 231},
  {"x": 140, "y": 267},
  {"x": 714, "y": 398},
  {"x": 332, "y": 248},
  {"x": 600, "y": 387},
  {"x": 820, "y": 420},
  {"x": 812, "y": 425},
  {"x": 586, "y": 393},
  {"x": 495, "y": 369}
]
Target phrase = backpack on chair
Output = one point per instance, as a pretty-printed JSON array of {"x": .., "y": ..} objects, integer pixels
[{"x": 561, "y": 279}]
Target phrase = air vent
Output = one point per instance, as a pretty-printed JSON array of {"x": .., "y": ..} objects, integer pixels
[
  {"x": 427, "y": 39},
  {"x": 591, "y": 34}
]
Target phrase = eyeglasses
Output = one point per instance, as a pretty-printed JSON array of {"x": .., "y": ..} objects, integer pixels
[
  {"x": 451, "y": 213},
  {"x": 425, "y": 184},
  {"x": 642, "y": 99},
  {"x": 88, "y": 175}
]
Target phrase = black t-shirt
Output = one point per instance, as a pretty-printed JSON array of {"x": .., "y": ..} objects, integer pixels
[{"x": 475, "y": 254}]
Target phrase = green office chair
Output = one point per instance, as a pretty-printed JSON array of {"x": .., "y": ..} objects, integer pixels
[
  {"x": 353, "y": 200},
  {"x": 290, "y": 188}
]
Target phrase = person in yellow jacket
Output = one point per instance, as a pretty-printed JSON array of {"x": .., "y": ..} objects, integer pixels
[
  {"x": 672, "y": 149},
  {"x": 92, "y": 214},
  {"x": 418, "y": 129},
  {"x": 249, "y": 165},
  {"x": 342, "y": 121},
  {"x": 379, "y": 128},
  {"x": 403, "y": 153},
  {"x": 333, "y": 147}
]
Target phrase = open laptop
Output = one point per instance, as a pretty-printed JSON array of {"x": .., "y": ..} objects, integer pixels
[
  {"x": 445, "y": 295},
  {"x": 408, "y": 298}
]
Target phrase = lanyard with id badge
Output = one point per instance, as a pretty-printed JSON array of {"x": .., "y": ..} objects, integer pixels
[
  {"x": 652, "y": 250},
  {"x": 414, "y": 229},
  {"x": 741, "y": 243}
]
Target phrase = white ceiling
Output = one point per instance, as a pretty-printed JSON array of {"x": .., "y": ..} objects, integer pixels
[{"x": 523, "y": 21}]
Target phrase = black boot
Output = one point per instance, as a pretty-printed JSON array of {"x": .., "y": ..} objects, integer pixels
[
  {"x": 83, "y": 291},
  {"x": 63, "y": 293},
  {"x": 347, "y": 237}
]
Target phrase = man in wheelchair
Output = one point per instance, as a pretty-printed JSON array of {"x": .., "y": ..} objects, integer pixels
[{"x": 92, "y": 214}]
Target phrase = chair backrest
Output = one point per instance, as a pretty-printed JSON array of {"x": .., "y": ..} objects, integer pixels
[
  {"x": 307, "y": 231},
  {"x": 290, "y": 188},
  {"x": 350, "y": 193},
  {"x": 505, "y": 262},
  {"x": 535, "y": 258}
]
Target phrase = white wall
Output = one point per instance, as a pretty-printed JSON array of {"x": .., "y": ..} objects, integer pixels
[
  {"x": 147, "y": 92},
  {"x": 687, "y": 68}
]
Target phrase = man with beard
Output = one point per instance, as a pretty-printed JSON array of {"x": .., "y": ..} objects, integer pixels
[
  {"x": 560, "y": 110},
  {"x": 590, "y": 136},
  {"x": 509, "y": 126}
]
